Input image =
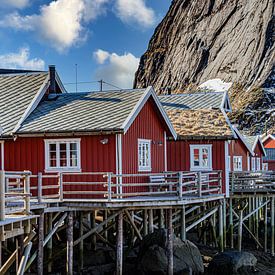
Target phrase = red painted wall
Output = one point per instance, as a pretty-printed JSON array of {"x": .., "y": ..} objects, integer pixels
[
  {"x": 147, "y": 125},
  {"x": 271, "y": 165},
  {"x": 269, "y": 143},
  {"x": 237, "y": 148},
  {"x": 178, "y": 155}
]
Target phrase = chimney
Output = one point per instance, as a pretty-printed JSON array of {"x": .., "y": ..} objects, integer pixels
[{"x": 52, "y": 89}]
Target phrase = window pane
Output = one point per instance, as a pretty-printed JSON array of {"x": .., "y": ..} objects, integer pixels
[
  {"x": 205, "y": 159},
  {"x": 52, "y": 155},
  {"x": 73, "y": 159},
  {"x": 196, "y": 157},
  {"x": 63, "y": 154}
]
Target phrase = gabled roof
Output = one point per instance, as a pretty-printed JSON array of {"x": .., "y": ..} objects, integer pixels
[
  {"x": 269, "y": 136},
  {"x": 252, "y": 143},
  {"x": 196, "y": 101},
  {"x": 244, "y": 140},
  {"x": 90, "y": 112},
  {"x": 17, "y": 93}
]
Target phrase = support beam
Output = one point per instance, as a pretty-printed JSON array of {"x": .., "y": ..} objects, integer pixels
[
  {"x": 183, "y": 224},
  {"x": 170, "y": 243},
  {"x": 145, "y": 224},
  {"x": 272, "y": 226},
  {"x": 265, "y": 228},
  {"x": 40, "y": 251},
  {"x": 151, "y": 221},
  {"x": 50, "y": 242},
  {"x": 119, "y": 255},
  {"x": 93, "y": 225},
  {"x": 69, "y": 262},
  {"x": 24, "y": 259},
  {"x": 221, "y": 226},
  {"x": 231, "y": 226},
  {"x": 240, "y": 230},
  {"x": 161, "y": 218},
  {"x": 133, "y": 224},
  {"x": 81, "y": 244}
]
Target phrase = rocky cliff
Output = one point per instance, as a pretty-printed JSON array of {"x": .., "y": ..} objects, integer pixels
[{"x": 200, "y": 40}]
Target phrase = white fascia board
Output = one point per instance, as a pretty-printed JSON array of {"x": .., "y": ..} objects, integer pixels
[
  {"x": 229, "y": 123},
  {"x": 243, "y": 140},
  {"x": 225, "y": 100},
  {"x": 258, "y": 139},
  {"x": 148, "y": 92},
  {"x": 59, "y": 83},
  {"x": 267, "y": 137},
  {"x": 34, "y": 103}
]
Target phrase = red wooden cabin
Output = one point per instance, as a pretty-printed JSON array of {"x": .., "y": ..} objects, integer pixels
[
  {"x": 269, "y": 159},
  {"x": 46, "y": 130},
  {"x": 203, "y": 131}
]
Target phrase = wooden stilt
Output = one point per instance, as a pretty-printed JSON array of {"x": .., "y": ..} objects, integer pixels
[
  {"x": 69, "y": 263},
  {"x": 133, "y": 224},
  {"x": 250, "y": 221},
  {"x": 21, "y": 269},
  {"x": 257, "y": 220},
  {"x": 224, "y": 223},
  {"x": 240, "y": 230},
  {"x": 151, "y": 221},
  {"x": 0, "y": 254},
  {"x": 231, "y": 226},
  {"x": 183, "y": 224},
  {"x": 221, "y": 226},
  {"x": 161, "y": 218},
  {"x": 105, "y": 218},
  {"x": 40, "y": 251},
  {"x": 272, "y": 226},
  {"x": 265, "y": 228},
  {"x": 145, "y": 225},
  {"x": 119, "y": 256},
  {"x": 81, "y": 244},
  {"x": 50, "y": 242},
  {"x": 93, "y": 225},
  {"x": 170, "y": 243}
]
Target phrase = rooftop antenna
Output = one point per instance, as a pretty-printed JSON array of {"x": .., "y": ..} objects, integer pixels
[{"x": 76, "y": 77}]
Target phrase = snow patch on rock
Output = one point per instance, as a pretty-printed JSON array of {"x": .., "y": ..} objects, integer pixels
[{"x": 216, "y": 85}]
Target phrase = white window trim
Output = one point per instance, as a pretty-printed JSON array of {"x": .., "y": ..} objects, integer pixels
[
  {"x": 238, "y": 169},
  {"x": 62, "y": 169},
  {"x": 200, "y": 146},
  {"x": 229, "y": 163},
  {"x": 258, "y": 164},
  {"x": 253, "y": 164},
  {"x": 145, "y": 168}
]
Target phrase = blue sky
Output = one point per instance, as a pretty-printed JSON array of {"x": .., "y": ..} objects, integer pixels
[{"x": 105, "y": 38}]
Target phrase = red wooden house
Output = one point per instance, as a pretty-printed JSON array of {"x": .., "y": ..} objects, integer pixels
[
  {"x": 46, "y": 130},
  {"x": 269, "y": 145},
  {"x": 203, "y": 131}
]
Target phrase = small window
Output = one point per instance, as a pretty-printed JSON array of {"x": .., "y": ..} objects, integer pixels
[
  {"x": 201, "y": 157},
  {"x": 62, "y": 155},
  {"x": 238, "y": 163},
  {"x": 265, "y": 166},
  {"x": 144, "y": 155},
  {"x": 253, "y": 164},
  {"x": 258, "y": 168}
]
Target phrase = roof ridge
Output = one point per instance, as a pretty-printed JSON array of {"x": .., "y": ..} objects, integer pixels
[{"x": 190, "y": 94}]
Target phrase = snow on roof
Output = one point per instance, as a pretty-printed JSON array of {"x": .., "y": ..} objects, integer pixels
[{"x": 216, "y": 85}]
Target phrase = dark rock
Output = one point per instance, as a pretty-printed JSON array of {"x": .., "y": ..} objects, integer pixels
[
  {"x": 232, "y": 262},
  {"x": 152, "y": 257}
]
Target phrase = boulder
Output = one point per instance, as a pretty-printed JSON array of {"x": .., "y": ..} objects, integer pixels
[
  {"x": 152, "y": 256},
  {"x": 232, "y": 262}
]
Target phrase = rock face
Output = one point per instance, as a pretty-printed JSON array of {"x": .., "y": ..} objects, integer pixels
[
  {"x": 204, "y": 39},
  {"x": 152, "y": 257},
  {"x": 232, "y": 263}
]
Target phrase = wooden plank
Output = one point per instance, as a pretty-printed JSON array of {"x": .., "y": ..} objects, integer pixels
[{"x": 70, "y": 229}]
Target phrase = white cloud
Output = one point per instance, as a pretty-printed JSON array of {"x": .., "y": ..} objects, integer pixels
[
  {"x": 19, "y": 4},
  {"x": 135, "y": 11},
  {"x": 116, "y": 69},
  {"x": 21, "y": 60},
  {"x": 60, "y": 23}
]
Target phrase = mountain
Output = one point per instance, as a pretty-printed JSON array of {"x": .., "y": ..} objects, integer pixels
[{"x": 200, "y": 40}]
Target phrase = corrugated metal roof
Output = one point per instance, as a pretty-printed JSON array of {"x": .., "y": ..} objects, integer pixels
[
  {"x": 195, "y": 101},
  {"x": 16, "y": 93},
  {"x": 77, "y": 112},
  {"x": 250, "y": 140}
]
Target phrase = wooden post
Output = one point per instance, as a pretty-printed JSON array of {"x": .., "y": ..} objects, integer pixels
[
  {"x": 221, "y": 226},
  {"x": 151, "y": 221},
  {"x": 170, "y": 243},
  {"x": 183, "y": 224},
  {"x": 61, "y": 187},
  {"x": 257, "y": 220},
  {"x": 272, "y": 226},
  {"x": 50, "y": 242},
  {"x": 106, "y": 226},
  {"x": 145, "y": 225},
  {"x": 161, "y": 218},
  {"x": 27, "y": 203},
  {"x": 40, "y": 254},
  {"x": 93, "y": 225},
  {"x": 70, "y": 229},
  {"x": 109, "y": 186},
  {"x": 39, "y": 188},
  {"x": 231, "y": 226},
  {"x": 240, "y": 230},
  {"x": 249, "y": 211},
  {"x": 224, "y": 223},
  {"x": 180, "y": 185},
  {"x": 81, "y": 244},
  {"x": 265, "y": 227},
  {"x": 2, "y": 195},
  {"x": 119, "y": 256},
  {"x": 0, "y": 254},
  {"x": 199, "y": 184}
]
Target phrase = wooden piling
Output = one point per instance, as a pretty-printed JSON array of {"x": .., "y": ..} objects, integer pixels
[
  {"x": 151, "y": 221},
  {"x": 224, "y": 223},
  {"x": 221, "y": 226},
  {"x": 272, "y": 225},
  {"x": 93, "y": 225},
  {"x": 119, "y": 256},
  {"x": 170, "y": 242},
  {"x": 145, "y": 224},
  {"x": 40, "y": 250},
  {"x": 69, "y": 262},
  {"x": 50, "y": 242},
  {"x": 183, "y": 224},
  {"x": 265, "y": 227},
  {"x": 161, "y": 218},
  {"x": 81, "y": 244},
  {"x": 240, "y": 230},
  {"x": 231, "y": 226}
]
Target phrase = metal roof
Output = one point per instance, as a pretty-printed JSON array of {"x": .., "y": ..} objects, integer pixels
[
  {"x": 251, "y": 140},
  {"x": 77, "y": 112},
  {"x": 16, "y": 94},
  {"x": 194, "y": 101}
]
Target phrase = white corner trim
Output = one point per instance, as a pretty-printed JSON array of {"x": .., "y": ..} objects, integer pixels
[
  {"x": 2, "y": 144},
  {"x": 34, "y": 103},
  {"x": 227, "y": 163},
  {"x": 165, "y": 151},
  {"x": 119, "y": 170},
  {"x": 225, "y": 100}
]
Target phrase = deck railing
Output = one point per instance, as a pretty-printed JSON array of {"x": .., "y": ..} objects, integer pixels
[{"x": 252, "y": 181}]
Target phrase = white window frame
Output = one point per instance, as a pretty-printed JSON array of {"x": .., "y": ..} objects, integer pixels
[
  {"x": 143, "y": 168},
  {"x": 238, "y": 169},
  {"x": 229, "y": 163},
  {"x": 59, "y": 168},
  {"x": 258, "y": 164},
  {"x": 200, "y": 147},
  {"x": 265, "y": 166},
  {"x": 253, "y": 164}
]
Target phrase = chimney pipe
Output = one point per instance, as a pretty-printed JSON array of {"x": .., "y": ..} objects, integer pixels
[{"x": 52, "y": 79}]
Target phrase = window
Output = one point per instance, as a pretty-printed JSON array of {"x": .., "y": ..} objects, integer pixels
[
  {"x": 253, "y": 164},
  {"x": 62, "y": 155},
  {"x": 144, "y": 155},
  {"x": 258, "y": 164},
  {"x": 238, "y": 163},
  {"x": 201, "y": 157},
  {"x": 265, "y": 166}
]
